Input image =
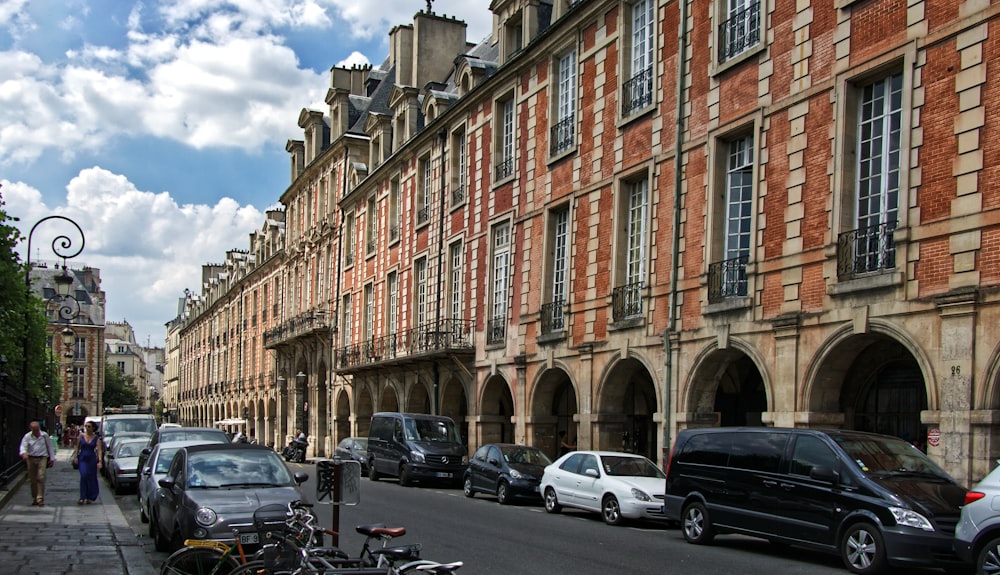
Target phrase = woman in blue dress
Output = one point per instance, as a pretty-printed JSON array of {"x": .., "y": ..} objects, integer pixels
[{"x": 88, "y": 457}]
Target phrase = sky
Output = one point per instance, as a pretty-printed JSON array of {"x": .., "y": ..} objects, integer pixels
[{"x": 160, "y": 126}]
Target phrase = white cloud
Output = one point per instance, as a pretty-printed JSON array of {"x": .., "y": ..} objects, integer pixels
[
  {"x": 355, "y": 59},
  {"x": 147, "y": 247},
  {"x": 368, "y": 23},
  {"x": 10, "y": 9}
]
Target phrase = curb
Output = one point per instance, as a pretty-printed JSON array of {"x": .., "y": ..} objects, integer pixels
[{"x": 7, "y": 492}]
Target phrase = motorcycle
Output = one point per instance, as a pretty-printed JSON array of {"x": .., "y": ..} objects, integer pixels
[{"x": 295, "y": 451}]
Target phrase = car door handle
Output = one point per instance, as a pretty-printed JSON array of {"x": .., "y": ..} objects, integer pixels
[
  {"x": 787, "y": 486},
  {"x": 770, "y": 483}
]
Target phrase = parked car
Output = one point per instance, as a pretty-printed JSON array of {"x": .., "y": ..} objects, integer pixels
[
  {"x": 123, "y": 463},
  {"x": 118, "y": 438},
  {"x": 505, "y": 470},
  {"x": 977, "y": 537},
  {"x": 156, "y": 469},
  {"x": 414, "y": 447},
  {"x": 211, "y": 489},
  {"x": 354, "y": 448},
  {"x": 617, "y": 485},
  {"x": 164, "y": 434},
  {"x": 873, "y": 499}
]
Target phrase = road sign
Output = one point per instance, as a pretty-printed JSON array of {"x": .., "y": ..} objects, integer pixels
[
  {"x": 338, "y": 482},
  {"x": 58, "y": 410},
  {"x": 933, "y": 437}
]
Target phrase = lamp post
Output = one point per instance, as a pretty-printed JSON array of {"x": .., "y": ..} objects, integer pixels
[{"x": 300, "y": 384}]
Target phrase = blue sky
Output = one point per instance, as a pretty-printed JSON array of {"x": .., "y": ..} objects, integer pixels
[{"x": 160, "y": 126}]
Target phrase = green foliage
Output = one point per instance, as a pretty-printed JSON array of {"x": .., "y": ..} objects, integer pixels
[
  {"x": 22, "y": 318},
  {"x": 119, "y": 388}
]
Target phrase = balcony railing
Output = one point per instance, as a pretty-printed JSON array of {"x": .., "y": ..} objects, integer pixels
[
  {"x": 562, "y": 136},
  {"x": 458, "y": 195},
  {"x": 626, "y": 301},
  {"x": 314, "y": 322},
  {"x": 727, "y": 279},
  {"x": 423, "y": 214},
  {"x": 496, "y": 330},
  {"x": 448, "y": 335},
  {"x": 553, "y": 317},
  {"x": 740, "y": 32},
  {"x": 637, "y": 93},
  {"x": 866, "y": 250},
  {"x": 504, "y": 169}
]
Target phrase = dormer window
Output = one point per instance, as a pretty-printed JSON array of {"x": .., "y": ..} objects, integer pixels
[{"x": 513, "y": 36}]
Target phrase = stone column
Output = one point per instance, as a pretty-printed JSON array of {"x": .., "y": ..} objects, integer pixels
[{"x": 955, "y": 384}]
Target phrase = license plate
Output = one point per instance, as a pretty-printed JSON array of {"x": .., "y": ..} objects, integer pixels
[
  {"x": 249, "y": 539},
  {"x": 442, "y": 474}
]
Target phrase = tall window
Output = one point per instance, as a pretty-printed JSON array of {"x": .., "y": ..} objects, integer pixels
[
  {"x": 554, "y": 318},
  {"x": 562, "y": 132},
  {"x": 80, "y": 349},
  {"x": 349, "y": 245},
  {"x": 455, "y": 291},
  {"x": 348, "y": 326},
  {"x": 371, "y": 226},
  {"x": 392, "y": 285},
  {"x": 80, "y": 381},
  {"x": 424, "y": 197},
  {"x": 505, "y": 142},
  {"x": 627, "y": 297},
  {"x": 394, "y": 210},
  {"x": 459, "y": 167},
  {"x": 420, "y": 291},
  {"x": 740, "y": 28},
  {"x": 496, "y": 330},
  {"x": 728, "y": 277},
  {"x": 369, "y": 311},
  {"x": 638, "y": 90}
]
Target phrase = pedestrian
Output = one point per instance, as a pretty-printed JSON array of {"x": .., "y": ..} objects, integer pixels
[
  {"x": 59, "y": 432},
  {"x": 74, "y": 434},
  {"x": 37, "y": 451},
  {"x": 564, "y": 445},
  {"x": 87, "y": 456}
]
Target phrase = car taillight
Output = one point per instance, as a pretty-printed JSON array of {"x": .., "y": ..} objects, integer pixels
[{"x": 971, "y": 496}]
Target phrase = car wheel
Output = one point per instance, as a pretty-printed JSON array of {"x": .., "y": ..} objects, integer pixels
[
  {"x": 611, "y": 511},
  {"x": 467, "y": 487},
  {"x": 404, "y": 475},
  {"x": 862, "y": 549},
  {"x": 503, "y": 493},
  {"x": 551, "y": 503},
  {"x": 988, "y": 561},
  {"x": 372, "y": 474},
  {"x": 159, "y": 541},
  {"x": 695, "y": 524}
]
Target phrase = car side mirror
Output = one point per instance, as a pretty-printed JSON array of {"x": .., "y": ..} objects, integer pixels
[
  {"x": 591, "y": 472},
  {"x": 494, "y": 463},
  {"x": 825, "y": 474},
  {"x": 146, "y": 451},
  {"x": 166, "y": 483},
  {"x": 147, "y": 471},
  {"x": 300, "y": 477}
]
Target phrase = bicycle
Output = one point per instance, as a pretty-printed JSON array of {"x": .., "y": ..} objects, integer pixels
[{"x": 205, "y": 557}]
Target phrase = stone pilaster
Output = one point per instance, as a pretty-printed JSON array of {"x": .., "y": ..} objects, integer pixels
[{"x": 956, "y": 362}]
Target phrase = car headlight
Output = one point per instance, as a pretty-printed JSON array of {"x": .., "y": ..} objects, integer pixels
[
  {"x": 417, "y": 457},
  {"x": 205, "y": 516},
  {"x": 515, "y": 474},
  {"x": 465, "y": 460},
  {"x": 911, "y": 518},
  {"x": 641, "y": 495}
]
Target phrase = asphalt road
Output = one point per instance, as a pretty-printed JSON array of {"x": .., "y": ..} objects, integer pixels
[{"x": 522, "y": 538}]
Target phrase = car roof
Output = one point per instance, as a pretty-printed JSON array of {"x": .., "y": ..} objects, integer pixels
[
  {"x": 179, "y": 443},
  {"x": 182, "y": 429},
  {"x": 226, "y": 447},
  {"x": 615, "y": 453}
]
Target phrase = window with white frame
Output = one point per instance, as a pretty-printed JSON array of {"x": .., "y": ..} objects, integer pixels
[
  {"x": 80, "y": 348},
  {"x": 395, "y": 210},
  {"x": 420, "y": 291},
  {"x": 497, "y": 324},
  {"x": 459, "y": 167},
  {"x": 504, "y": 145},
  {"x": 455, "y": 291},
  {"x": 80, "y": 381},
  {"x": 348, "y": 324},
  {"x": 740, "y": 28},
  {"x": 728, "y": 278},
  {"x": 392, "y": 289},
  {"x": 562, "y": 135},
  {"x": 371, "y": 226},
  {"x": 369, "y": 312},
  {"x": 424, "y": 197},
  {"x": 627, "y": 297},
  {"x": 349, "y": 246},
  {"x": 553, "y": 313},
  {"x": 637, "y": 92}
]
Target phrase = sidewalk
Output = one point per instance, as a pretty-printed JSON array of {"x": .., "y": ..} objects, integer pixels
[{"x": 63, "y": 537}]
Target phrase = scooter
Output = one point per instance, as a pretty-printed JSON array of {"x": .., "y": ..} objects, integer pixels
[{"x": 295, "y": 452}]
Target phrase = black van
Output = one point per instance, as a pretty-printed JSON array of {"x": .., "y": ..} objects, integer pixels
[
  {"x": 415, "y": 446},
  {"x": 872, "y": 499}
]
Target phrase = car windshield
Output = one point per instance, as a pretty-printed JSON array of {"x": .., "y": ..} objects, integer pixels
[
  {"x": 143, "y": 424},
  {"x": 440, "y": 430},
  {"x": 625, "y": 466},
  {"x": 888, "y": 456},
  {"x": 361, "y": 444},
  {"x": 527, "y": 455},
  {"x": 164, "y": 459},
  {"x": 236, "y": 468},
  {"x": 182, "y": 434},
  {"x": 130, "y": 448}
]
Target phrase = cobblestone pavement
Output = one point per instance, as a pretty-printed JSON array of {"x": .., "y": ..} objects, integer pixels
[{"x": 63, "y": 537}]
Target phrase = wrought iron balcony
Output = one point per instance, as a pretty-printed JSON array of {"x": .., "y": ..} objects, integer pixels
[
  {"x": 727, "y": 279},
  {"x": 739, "y": 32},
  {"x": 504, "y": 169},
  {"x": 637, "y": 93},
  {"x": 423, "y": 214},
  {"x": 496, "y": 330},
  {"x": 315, "y": 322},
  {"x": 562, "y": 135},
  {"x": 553, "y": 316},
  {"x": 866, "y": 250},
  {"x": 626, "y": 301},
  {"x": 444, "y": 337},
  {"x": 458, "y": 195}
]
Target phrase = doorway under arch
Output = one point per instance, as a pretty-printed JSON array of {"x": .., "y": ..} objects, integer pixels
[{"x": 626, "y": 407}]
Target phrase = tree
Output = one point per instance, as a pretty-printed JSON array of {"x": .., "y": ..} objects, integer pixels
[{"x": 119, "y": 389}]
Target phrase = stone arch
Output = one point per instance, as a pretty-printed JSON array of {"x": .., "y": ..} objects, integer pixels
[
  {"x": 365, "y": 408},
  {"x": 496, "y": 411},
  {"x": 418, "y": 398},
  {"x": 389, "y": 398},
  {"x": 727, "y": 387},
  {"x": 342, "y": 415},
  {"x": 627, "y": 400},
  {"x": 455, "y": 404},
  {"x": 554, "y": 410}
]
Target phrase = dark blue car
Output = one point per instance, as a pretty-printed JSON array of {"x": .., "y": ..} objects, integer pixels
[{"x": 505, "y": 470}]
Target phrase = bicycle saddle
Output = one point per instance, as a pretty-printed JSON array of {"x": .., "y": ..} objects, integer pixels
[{"x": 376, "y": 529}]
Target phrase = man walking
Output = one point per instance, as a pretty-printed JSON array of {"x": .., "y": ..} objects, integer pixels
[{"x": 37, "y": 452}]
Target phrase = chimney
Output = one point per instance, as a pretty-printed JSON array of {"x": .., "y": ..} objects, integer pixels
[
  {"x": 437, "y": 40},
  {"x": 401, "y": 54}
]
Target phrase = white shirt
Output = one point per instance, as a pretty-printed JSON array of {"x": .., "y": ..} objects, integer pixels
[{"x": 37, "y": 446}]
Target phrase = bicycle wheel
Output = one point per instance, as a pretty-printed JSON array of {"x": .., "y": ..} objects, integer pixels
[
  {"x": 255, "y": 567},
  {"x": 198, "y": 561}
]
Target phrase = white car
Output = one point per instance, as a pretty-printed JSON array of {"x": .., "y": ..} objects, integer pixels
[
  {"x": 617, "y": 485},
  {"x": 155, "y": 469}
]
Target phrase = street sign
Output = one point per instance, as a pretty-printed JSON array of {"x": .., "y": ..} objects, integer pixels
[
  {"x": 933, "y": 437},
  {"x": 58, "y": 410},
  {"x": 338, "y": 482}
]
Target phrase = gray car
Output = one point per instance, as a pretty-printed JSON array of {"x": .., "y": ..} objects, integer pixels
[
  {"x": 977, "y": 536},
  {"x": 156, "y": 469},
  {"x": 123, "y": 464},
  {"x": 211, "y": 489}
]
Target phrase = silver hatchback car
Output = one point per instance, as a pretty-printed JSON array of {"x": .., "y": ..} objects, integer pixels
[{"x": 977, "y": 536}]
